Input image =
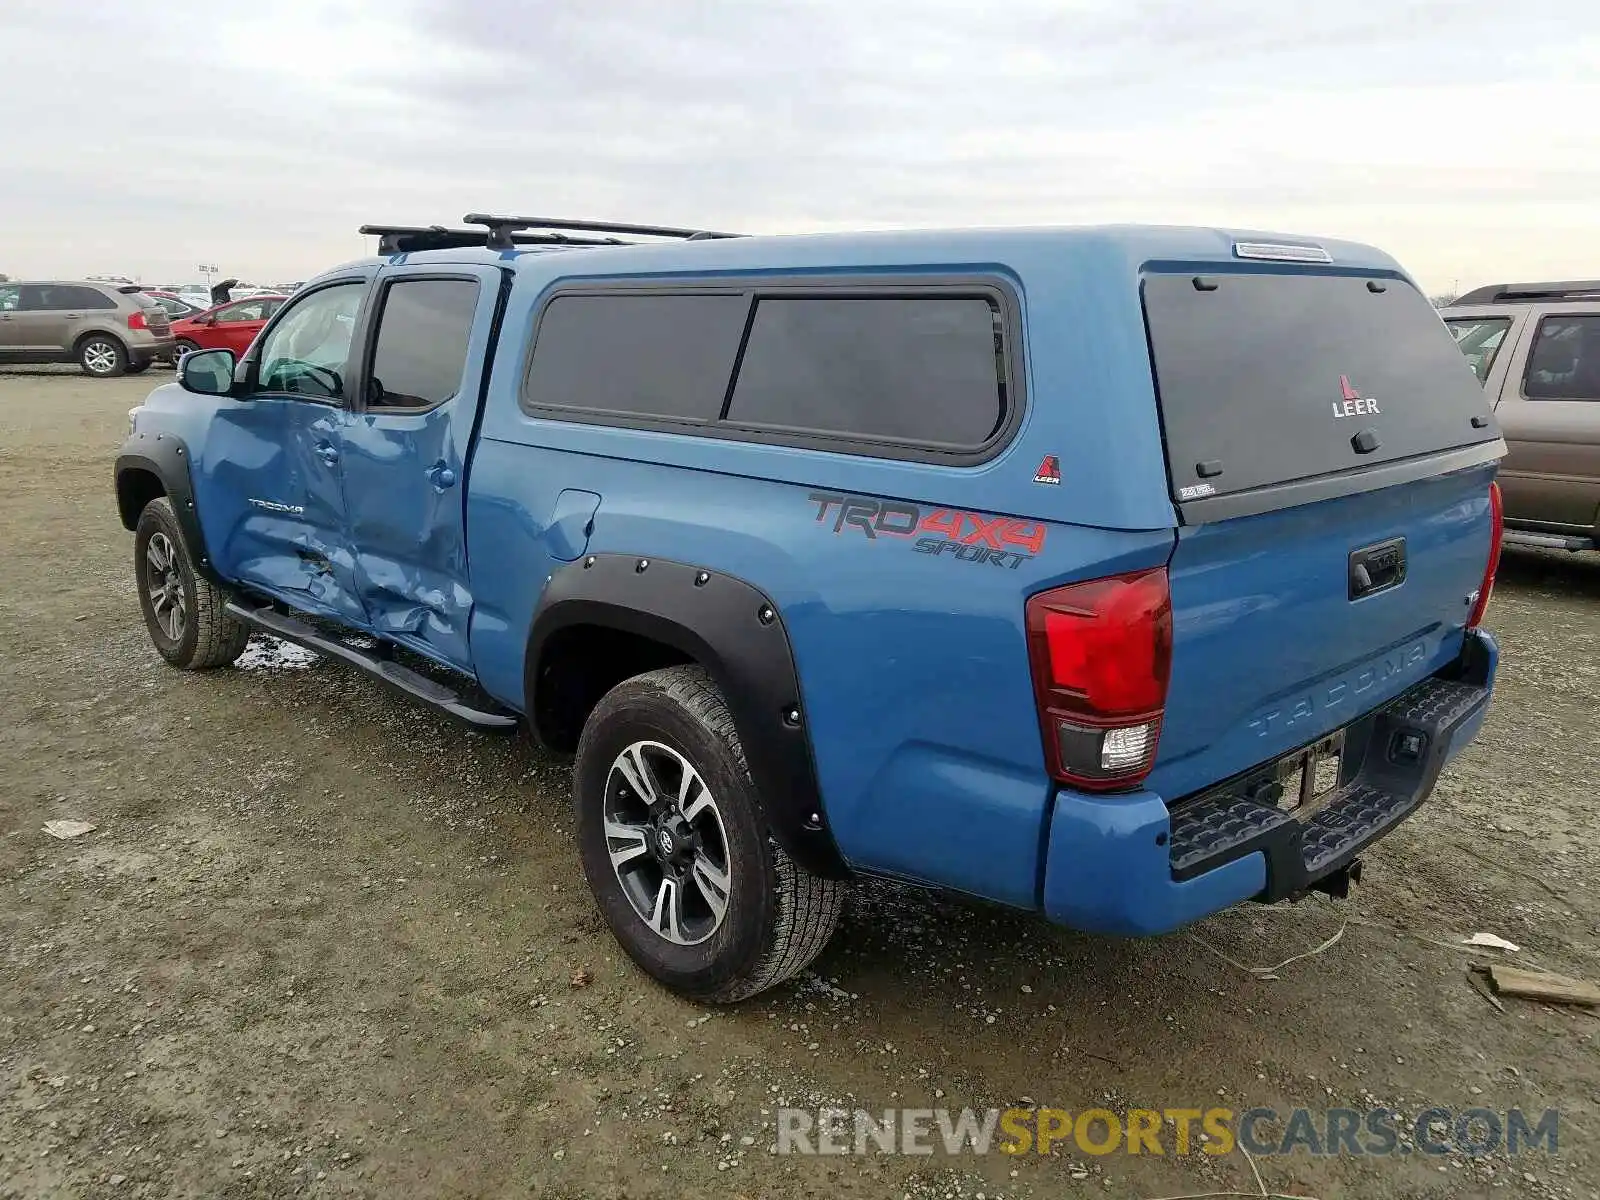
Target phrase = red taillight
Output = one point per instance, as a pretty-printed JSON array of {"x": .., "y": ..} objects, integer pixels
[
  {"x": 136, "y": 321},
  {"x": 1101, "y": 653},
  {"x": 1497, "y": 522}
]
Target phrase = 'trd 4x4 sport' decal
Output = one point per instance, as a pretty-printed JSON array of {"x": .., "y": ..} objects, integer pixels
[{"x": 967, "y": 536}]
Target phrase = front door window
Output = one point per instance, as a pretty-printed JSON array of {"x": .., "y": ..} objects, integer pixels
[{"x": 308, "y": 351}]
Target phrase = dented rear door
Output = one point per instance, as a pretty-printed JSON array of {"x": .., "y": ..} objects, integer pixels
[{"x": 405, "y": 453}]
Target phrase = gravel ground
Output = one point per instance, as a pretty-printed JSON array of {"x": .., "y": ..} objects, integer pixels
[{"x": 325, "y": 944}]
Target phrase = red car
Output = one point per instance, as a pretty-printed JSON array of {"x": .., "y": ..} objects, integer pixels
[{"x": 232, "y": 326}]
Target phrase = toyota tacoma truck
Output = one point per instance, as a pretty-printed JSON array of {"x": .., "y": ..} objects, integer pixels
[{"x": 1119, "y": 575}]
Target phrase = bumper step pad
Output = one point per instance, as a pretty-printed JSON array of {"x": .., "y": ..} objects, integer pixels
[{"x": 1393, "y": 757}]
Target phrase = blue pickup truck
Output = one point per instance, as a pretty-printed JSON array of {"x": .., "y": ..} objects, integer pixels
[{"x": 1116, "y": 574}]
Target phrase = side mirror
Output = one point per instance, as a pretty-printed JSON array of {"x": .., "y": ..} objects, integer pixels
[
  {"x": 207, "y": 372},
  {"x": 208, "y": 319}
]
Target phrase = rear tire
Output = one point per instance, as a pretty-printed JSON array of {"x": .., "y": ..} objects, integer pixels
[
  {"x": 136, "y": 368},
  {"x": 729, "y": 914},
  {"x": 183, "y": 610},
  {"x": 102, "y": 356}
]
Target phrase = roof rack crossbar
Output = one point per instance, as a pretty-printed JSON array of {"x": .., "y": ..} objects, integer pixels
[
  {"x": 1500, "y": 293},
  {"x": 401, "y": 239},
  {"x": 500, "y": 226}
]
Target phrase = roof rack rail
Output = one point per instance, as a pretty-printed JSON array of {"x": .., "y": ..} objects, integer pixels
[
  {"x": 1528, "y": 293},
  {"x": 501, "y": 229},
  {"x": 402, "y": 239}
]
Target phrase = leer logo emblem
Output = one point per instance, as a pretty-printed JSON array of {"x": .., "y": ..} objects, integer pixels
[
  {"x": 1353, "y": 404},
  {"x": 1049, "y": 471}
]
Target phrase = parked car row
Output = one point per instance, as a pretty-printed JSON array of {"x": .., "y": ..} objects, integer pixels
[{"x": 111, "y": 328}]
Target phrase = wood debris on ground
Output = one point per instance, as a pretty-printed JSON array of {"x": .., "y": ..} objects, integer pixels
[{"x": 1541, "y": 985}]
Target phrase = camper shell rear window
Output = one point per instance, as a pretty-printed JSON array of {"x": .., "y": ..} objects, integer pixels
[{"x": 1281, "y": 388}]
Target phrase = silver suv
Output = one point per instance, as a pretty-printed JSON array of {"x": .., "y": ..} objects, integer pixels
[
  {"x": 1536, "y": 349},
  {"x": 106, "y": 328}
]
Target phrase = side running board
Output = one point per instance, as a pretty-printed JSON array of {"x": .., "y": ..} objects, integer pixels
[
  {"x": 1549, "y": 541},
  {"x": 419, "y": 687}
]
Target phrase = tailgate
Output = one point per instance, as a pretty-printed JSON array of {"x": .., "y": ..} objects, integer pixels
[
  {"x": 1332, "y": 462},
  {"x": 1271, "y": 652}
]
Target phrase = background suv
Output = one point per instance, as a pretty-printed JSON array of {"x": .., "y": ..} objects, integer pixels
[
  {"x": 106, "y": 328},
  {"x": 1536, "y": 349}
]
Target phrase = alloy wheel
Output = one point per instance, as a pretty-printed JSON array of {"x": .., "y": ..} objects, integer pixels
[
  {"x": 100, "y": 357},
  {"x": 164, "y": 585},
  {"x": 667, "y": 843}
]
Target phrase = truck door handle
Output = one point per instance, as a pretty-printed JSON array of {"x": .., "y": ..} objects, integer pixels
[
  {"x": 442, "y": 476},
  {"x": 328, "y": 454}
]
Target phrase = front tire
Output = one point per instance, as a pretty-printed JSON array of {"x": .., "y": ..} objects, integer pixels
[
  {"x": 675, "y": 848},
  {"x": 102, "y": 356},
  {"x": 183, "y": 610}
]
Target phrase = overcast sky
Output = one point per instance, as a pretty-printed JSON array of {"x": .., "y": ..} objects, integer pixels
[{"x": 144, "y": 139}]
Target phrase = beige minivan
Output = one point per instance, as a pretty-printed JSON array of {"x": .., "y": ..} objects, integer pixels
[
  {"x": 1536, "y": 349},
  {"x": 106, "y": 328}
]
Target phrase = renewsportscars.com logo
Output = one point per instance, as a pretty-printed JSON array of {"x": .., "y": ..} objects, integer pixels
[{"x": 1264, "y": 1132}]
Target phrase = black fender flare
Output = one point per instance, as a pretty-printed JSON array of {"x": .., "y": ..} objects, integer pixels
[
  {"x": 733, "y": 630},
  {"x": 165, "y": 456}
]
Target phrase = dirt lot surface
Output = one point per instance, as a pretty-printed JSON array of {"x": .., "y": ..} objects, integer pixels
[{"x": 323, "y": 943}]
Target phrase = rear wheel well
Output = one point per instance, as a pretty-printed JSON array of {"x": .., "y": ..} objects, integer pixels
[
  {"x": 135, "y": 489},
  {"x": 77, "y": 346},
  {"x": 578, "y": 665}
]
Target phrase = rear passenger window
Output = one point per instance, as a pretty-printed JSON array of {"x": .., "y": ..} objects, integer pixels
[
  {"x": 1564, "y": 363},
  {"x": 666, "y": 357},
  {"x": 920, "y": 369},
  {"x": 83, "y": 297},
  {"x": 63, "y": 297},
  {"x": 421, "y": 350}
]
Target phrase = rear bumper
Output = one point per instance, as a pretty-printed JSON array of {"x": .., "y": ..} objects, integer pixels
[
  {"x": 1127, "y": 864},
  {"x": 144, "y": 346}
]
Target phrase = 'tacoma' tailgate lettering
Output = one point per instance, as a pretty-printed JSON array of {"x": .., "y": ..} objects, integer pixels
[{"x": 1340, "y": 691}]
